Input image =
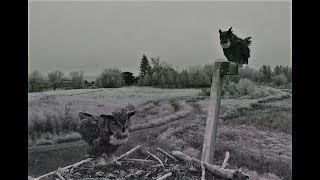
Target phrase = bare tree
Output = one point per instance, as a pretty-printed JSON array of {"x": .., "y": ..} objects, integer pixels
[
  {"x": 55, "y": 79},
  {"x": 77, "y": 79},
  {"x": 36, "y": 82}
]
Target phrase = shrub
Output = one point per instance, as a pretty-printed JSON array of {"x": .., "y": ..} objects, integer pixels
[
  {"x": 279, "y": 80},
  {"x": 45, "y": 139},
  {"x": 36, "y": 82},
  {"x": 230, "y": 89},
  {"x": 77, "y": 80},
  {"x": 245, "y": 86},
  {"x": 110, "y": 78},
  {"x": 36, "y": 126},
  {"x": 173, "y": 102},
  {"x": 205, "y": 92},
  {"x": 71, "y": 137},
  {"x": 52, "y": 124}
]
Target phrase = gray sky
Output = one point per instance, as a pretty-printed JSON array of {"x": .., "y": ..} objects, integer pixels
[{"x": 92, "y": 36}]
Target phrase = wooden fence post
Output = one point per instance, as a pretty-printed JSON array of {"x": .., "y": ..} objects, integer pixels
[{"x": 220, "y": 70}]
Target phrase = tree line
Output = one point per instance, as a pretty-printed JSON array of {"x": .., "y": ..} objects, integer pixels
[
  {"x": 160, "y": 74},
  {"x": 156, "y": 73}
]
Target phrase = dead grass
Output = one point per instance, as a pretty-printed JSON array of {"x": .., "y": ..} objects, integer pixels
[
  {"x": 266, "y": 116},
  {"x": 56, "y": 112},
  {"x": 257, "y": 135}
]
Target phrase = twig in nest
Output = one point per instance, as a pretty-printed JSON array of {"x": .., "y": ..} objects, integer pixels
[
  {"x": 64, "y": 168},
  {"x": 214, "y": 169},
  {"x": 165, "y": 176},
  {"x": 166, "y": 160},
  {"x": 59, "y": 175},
  {"x": 128, "y": 153},
  {"x": 224, "y": 164},
  {"x": 87, "y": 160},
  {"x": 154, "y": 156},
  {"x": 166, "y": 154},
  {"x": 139, "y": 160},
  {"x": 147, "y": 157},
  {"x": 203, "y": 171},
  {"x": 137, "y": 173}
]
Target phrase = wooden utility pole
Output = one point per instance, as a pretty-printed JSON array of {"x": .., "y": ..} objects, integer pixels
[{"x": 220, "y": 70}]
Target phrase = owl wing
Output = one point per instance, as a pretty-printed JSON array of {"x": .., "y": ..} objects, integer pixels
[
  {"x": 246, "y": 43},
  {"x": 89, "y": 127}
]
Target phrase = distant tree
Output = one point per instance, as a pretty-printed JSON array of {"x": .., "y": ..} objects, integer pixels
[
  {"x": 110, "y": 78},
  {"x": 198, "y": 78},
  {"x": 251, "y": 74},
  {"x": 155, "y": 61},
  {"x": 289, "y": 76},
  {"x": 162, "y": 82},
  {"x": 36, "y": 82},
  {"x": 266, "y": 71},
  {"x": 128, "y": 78},
  {"x": 155, "y": 78},
  {"x": 183, "y": 79},
  {"x": 279, "y": 80},
  {"x": 145, "y": 67},
  {"x": 55, "y": 79},
  {"x": 156, "y": 64},
  {"x": 86, "y": 82},
  {"x": 147, "y": 80},
  {"x": 170, "y": 81},
  {"x": 77, "y": 80},
  {"x": 208, "y": 69},
  {"x": 277, "y": 70}
]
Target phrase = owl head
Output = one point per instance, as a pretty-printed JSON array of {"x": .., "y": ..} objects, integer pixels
[
  {"x": 117, "y": 125},
  {"x": 225, "y": 38}
]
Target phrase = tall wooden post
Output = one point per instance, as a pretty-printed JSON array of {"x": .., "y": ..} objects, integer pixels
[{"x": 220, "y": 70}]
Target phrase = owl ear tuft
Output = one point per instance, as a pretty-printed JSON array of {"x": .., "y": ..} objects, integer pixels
[
  {"x": 220, "y": 31},
  {"x": 230, "y": 30},
  {"x": 131, "y": 113}
]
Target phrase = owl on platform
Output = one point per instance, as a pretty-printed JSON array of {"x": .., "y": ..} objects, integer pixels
[
  {"x": 104, "y": 134},
  {"x": 234, "y": 48}
]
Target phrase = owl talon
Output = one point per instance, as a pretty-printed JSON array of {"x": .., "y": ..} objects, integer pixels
[
  {"x": 100, "y": 163},
  {"x": 111, "y": 159}
]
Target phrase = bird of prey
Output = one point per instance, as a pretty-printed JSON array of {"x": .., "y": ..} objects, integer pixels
[
  {"x": 234, "y": 48},
  {"x": 104, "y": 134}
]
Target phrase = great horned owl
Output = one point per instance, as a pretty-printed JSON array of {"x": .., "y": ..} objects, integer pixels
[
  {"x": 105, "y": 133},
  {"x": 234, "y": 48}
]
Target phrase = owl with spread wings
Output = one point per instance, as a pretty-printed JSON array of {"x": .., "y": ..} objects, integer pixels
[{"x": 104, "y": 134}]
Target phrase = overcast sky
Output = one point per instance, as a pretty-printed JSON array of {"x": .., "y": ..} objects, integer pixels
[{"x": 92, "y": 36}]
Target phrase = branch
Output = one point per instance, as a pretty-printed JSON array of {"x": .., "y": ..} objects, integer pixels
[
  {"x": 166, "y": 154},
  {"x": 203, "y": 173},
  {"x": 128, "y": 153},
  {"x": 165, "y": 176},
  {"x": 214, "y": 169},
  {"x": 139, "y": 160},
  {"x": 64, "y": 168},
  {"x": 154, "y": 156},
  {"x": 226, "y": 158},
  {"x": 84, "y": 161},
  {"x": 59, "y": 175}
]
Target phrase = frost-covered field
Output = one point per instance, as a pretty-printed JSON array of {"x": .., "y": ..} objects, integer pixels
[
  {"x": 256, "y": 128},
  {"x": 97, "y": 101}
]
